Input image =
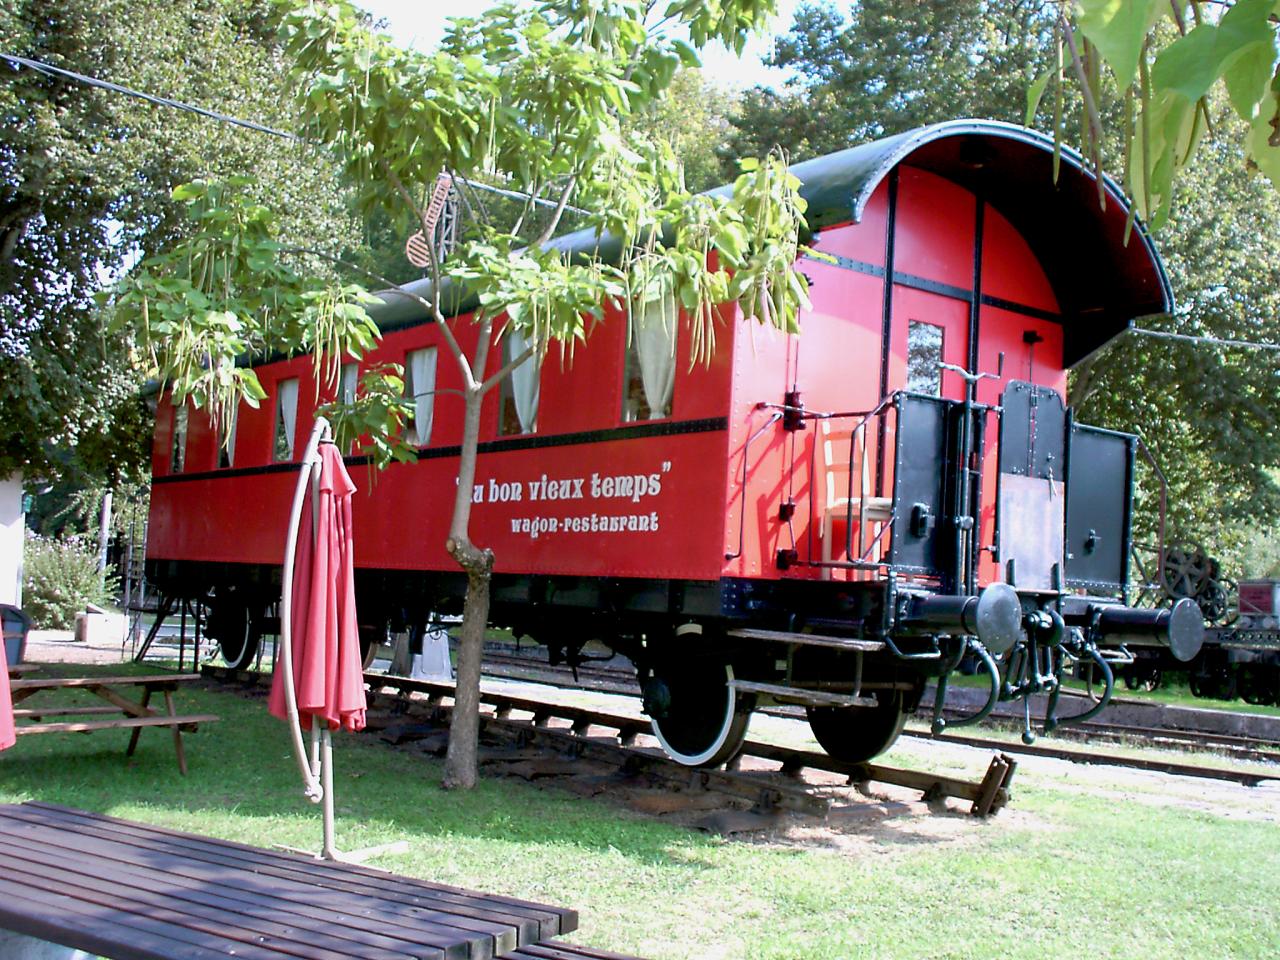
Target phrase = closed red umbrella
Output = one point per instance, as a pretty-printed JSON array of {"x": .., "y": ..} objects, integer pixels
[
  {"x": 8, "y": 736},
  {"x": 318, "y": 683},
  {"x": 327, "y": 668}
]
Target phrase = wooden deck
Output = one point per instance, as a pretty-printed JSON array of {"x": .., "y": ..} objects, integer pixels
[{"x": 130, "y": 891}]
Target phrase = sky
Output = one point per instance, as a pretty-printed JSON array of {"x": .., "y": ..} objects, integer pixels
[{"x": 420, "y": 24}]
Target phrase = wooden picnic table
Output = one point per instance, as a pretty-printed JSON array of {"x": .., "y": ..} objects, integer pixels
[
  {"x": 130, "y": 713},
  {"x": 131, "y": 891}
]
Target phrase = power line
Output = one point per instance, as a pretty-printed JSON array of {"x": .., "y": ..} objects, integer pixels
[
  {"x": 51, "y": 70},
  {"x": 1209, "y": 341}
]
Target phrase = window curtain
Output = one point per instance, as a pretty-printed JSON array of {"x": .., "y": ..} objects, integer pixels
[
  {"x": 525, "y": 380},
  {"x": 178, "y": 459},
  {"x": 350, "y": 377},
  {"x": 227, "y": 451},
  {"x": 289, "y": 413},
  {"x": 654, "y": 330},
  {"x": 422, "y": 379}
]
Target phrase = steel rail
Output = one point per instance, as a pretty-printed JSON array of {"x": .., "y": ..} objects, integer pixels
[
  {"x": 1241, "y": 748},
  {"x": 1246, "y": 778},
  {"x": 987, "y": 795}
]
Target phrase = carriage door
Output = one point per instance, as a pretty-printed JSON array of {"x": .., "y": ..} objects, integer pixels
[
  {"x": 925, "y": 330},
  {"x": 928, "y": 328}
]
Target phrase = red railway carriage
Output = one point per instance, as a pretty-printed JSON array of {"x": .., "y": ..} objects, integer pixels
[{"x": 829, "y": 519}]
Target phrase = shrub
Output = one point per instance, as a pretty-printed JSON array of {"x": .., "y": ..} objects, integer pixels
[{"x": 59, "y": 578}]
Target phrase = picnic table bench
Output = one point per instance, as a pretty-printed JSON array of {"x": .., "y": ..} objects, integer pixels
[
  {"x": 130, "y": 713},
  {"x": 131, "y": 891}
]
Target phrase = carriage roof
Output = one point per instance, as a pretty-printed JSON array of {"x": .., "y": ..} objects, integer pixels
[{"x": 1101, "y": 282}]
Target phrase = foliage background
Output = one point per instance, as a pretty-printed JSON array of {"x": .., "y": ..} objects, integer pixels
[
  {"x": 85, "y": 181},
  {"x": 60, "y": 577},
  {"x": 879, "y": 67}
]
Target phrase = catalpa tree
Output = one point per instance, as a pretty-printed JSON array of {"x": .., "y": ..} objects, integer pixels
[
  {"x": 1161, "y": 59},
  {"x": 540, "y": 99}
]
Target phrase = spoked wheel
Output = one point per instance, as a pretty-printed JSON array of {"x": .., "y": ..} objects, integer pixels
[
  {"x": 1142, "y": 677},
  {"x": 696, "y": 714},
  {"x": 1185, "y": 570},
  {"x": 855, "y": 734},
  {"x": 234, "y": 627},
  {"x": 1257, "y": 684}
]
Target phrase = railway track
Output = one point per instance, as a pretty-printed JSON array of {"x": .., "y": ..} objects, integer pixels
[
  {"x": 568, "y": 739},
  {"x": 622, "y": 681}
]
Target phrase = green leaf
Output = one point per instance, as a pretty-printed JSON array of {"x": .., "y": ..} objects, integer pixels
[
  {"x": 1034, "y": 93},
  {"x": 1189, "y": 65},
  {"x": 1264, "y": 126},
  {"x": 190, "y": 191},
  {"x": 1118, "y": 29}
]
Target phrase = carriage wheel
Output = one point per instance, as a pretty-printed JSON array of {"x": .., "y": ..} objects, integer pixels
[
  {"x": 856, "y": 734},
  {"x": 1143, "y": 677},
  {"x": 234, "y": 627},
  {"x": 1257, "y": 684},
  {"x": 697, "y": 716},
  {"x": 371, "y": 637}
]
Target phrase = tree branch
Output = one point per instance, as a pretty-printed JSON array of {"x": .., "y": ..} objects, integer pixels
[
  {"x": 550, "y": 229},
  {"x": 468, "y": 375},
  {"x": 497, "y": 377}
]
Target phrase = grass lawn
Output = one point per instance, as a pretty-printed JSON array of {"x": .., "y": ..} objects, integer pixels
[{"x": 1072, "y": 868}]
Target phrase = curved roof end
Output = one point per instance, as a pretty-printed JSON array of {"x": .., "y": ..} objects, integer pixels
[{"x": 1102, "y": 283}]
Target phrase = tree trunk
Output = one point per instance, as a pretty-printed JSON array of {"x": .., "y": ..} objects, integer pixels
[{"x": 460, "y": 763}]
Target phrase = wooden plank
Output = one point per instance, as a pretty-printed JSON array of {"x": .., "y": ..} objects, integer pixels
[
  {"x": 120, "y": 723},
  {"x": 532, "y": 919},
  {"x": 566, "y": 951},
  {"x": 60, "y": 683},
  {"x": 133, "y": 708},
  {"x": 365, "y": 878},
  {"x": 242, "y": 891},
  {"x": 60, "y": 918},
  {"x": 202, "y": 912},
  {"x": 363, "y": 881},
  {"x": 62, "y": 711},
  {"x": 626, "y": 725},
  {"x": 800, "y": 695},
  {"x": 914, "y": 779},
  {"x": 850, "y": 644}
]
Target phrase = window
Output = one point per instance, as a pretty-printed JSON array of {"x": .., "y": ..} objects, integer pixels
[
  {"x": 649, "y": 376},
  {"x": 347, "y": 387},
  {"x": 286, "y": 418},
  {"x": 178, "y": 457},
  {"x": 520, "y": 389},
  {"x": 350, "y": 379},
  {"x": 420, "y": 389},
  {"x": 227, "y": 439},
  {"x": 924, "y": 353}
]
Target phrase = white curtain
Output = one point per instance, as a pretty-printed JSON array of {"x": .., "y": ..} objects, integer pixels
[
  {"x": 227, "y": 455},
  {"x": 525, "y": 380},
  {"x": 178, "y": 461},
  {"x": 350, "y": 377},
  {"x": 289, "y": 412},
  {"x": 422, "y": 381},
  {"x": 654, "y": 329}
]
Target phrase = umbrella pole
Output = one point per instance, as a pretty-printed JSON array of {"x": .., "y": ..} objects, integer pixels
[{"x": 327, "y": 850}]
